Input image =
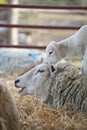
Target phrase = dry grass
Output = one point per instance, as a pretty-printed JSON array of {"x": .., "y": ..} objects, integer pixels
[
  {"x": 35, "y": 116},
  {"x": 63, "y": 17},
  {"x": 75, "y": 60}
]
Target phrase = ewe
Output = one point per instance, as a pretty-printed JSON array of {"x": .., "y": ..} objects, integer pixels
[
  {"x": 9, "y": 115},
  {"x": 75, "y": 45},
  {"x": 57, "y": 86}
]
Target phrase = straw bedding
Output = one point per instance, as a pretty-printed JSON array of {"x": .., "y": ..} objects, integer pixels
[{"x": 36, "y": 116}]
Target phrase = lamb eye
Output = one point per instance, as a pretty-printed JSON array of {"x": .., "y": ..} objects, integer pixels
[{"x": 50, "y": 52}]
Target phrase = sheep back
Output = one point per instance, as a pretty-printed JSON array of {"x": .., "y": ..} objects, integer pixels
[
  {"x": 68, "y": 87},
  {"x": 9, "y": 115}
]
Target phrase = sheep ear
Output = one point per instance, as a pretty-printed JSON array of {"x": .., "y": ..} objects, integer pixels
[{"x": 52, "y": 68}]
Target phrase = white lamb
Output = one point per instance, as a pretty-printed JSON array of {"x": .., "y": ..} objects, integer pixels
[
  {"x": 9, "y": 115},
  {"x": 75, "y": 45},
  {"x": 56, "y": 86}
]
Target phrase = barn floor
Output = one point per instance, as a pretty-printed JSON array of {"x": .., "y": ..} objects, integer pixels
[{"x": 35, "y": 116}]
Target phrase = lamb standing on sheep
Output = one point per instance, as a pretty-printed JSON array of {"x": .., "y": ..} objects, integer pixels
[
  {"x": 9, "y": 115},
  {"x": 75, "y": 45},
  {"x": 57, "y": 86}
]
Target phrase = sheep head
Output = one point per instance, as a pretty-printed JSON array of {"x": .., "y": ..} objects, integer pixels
[
  {"x": 56, "y": 51},
  {"x": 53, "y": 53},
  {"x": 36, "y": 81}
]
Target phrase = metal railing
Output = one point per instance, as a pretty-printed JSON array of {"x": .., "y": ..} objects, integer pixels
[
  {"x": 43, "y": 7},
  {"x": 39, "y": 26}
]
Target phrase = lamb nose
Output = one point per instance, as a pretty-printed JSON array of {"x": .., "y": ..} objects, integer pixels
[{"x": 16, "y": 81}]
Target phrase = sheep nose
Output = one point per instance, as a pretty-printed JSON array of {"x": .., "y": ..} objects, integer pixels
[{"x": 16, "y": 81}]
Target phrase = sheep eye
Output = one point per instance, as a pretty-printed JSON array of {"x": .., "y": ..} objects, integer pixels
[{"x": 41, "y": 71}]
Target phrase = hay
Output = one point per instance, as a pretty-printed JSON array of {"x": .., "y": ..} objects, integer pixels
[{"x": 35, "y": 116}]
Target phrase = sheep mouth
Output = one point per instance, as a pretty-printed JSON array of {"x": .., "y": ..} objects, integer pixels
[{"x": 20, "y": 91}]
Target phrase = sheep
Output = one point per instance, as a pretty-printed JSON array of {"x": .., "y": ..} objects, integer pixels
[
  {"x": 9, "y": 115},
  {"x": 57, "y": 85},
  {"x": 14, "y": 62},
  {"x": 75, "y": 45}
]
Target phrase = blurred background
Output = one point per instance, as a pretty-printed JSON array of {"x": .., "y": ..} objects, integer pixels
[{"x": 27, "y": 36}]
